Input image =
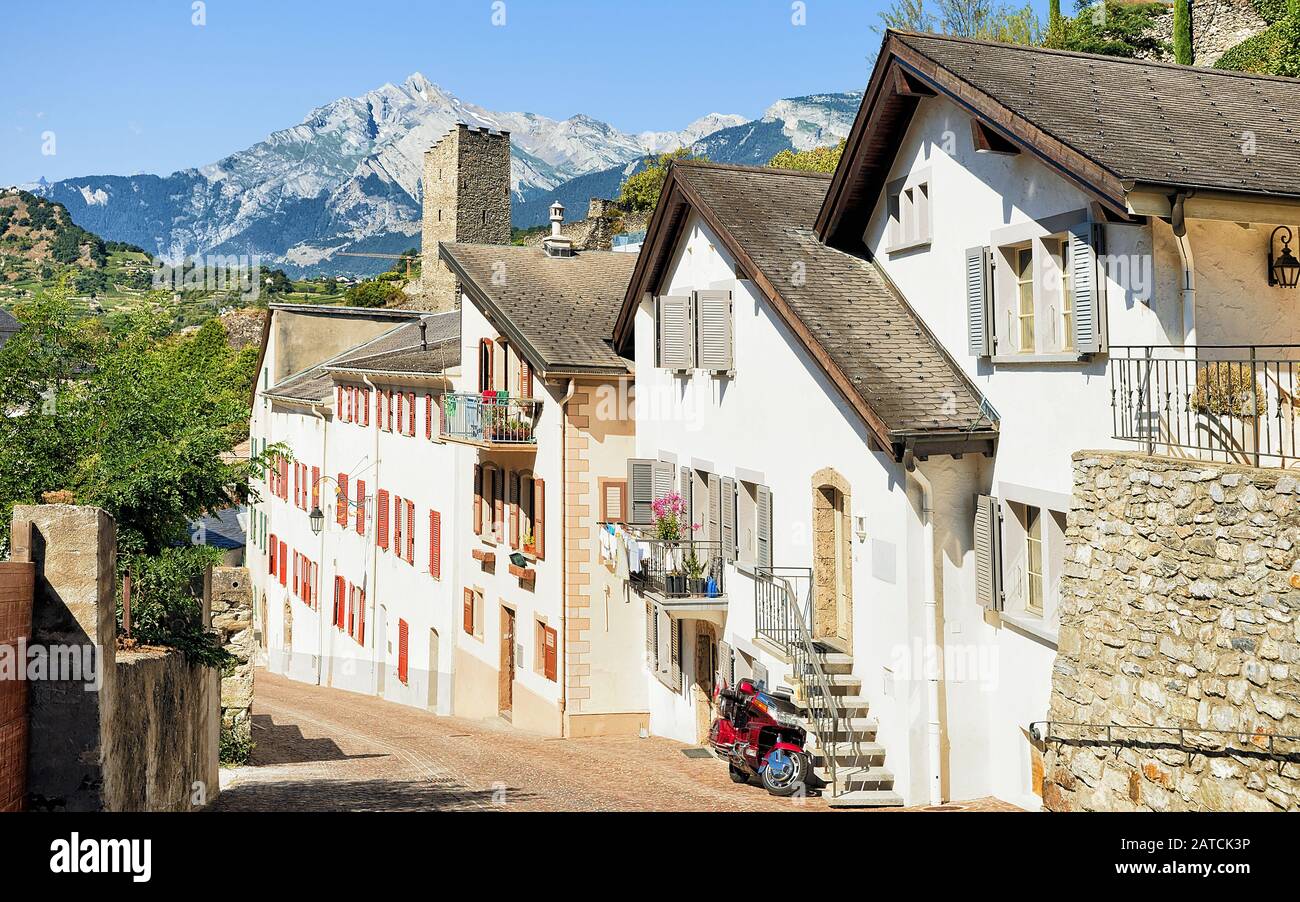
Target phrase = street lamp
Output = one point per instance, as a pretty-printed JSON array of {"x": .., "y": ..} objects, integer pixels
[
  {"x": 1284, "y": 270},
  {"x": 317, "y": 518}
]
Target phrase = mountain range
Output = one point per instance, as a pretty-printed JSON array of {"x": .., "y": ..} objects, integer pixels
[{"x": 348, "y": 176}]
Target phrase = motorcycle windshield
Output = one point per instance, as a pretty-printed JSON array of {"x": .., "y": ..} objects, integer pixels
[{"x": 774, "y": 704}]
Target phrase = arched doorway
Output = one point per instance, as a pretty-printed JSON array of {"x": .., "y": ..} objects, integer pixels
[
  {"x": 702, "y": 684},
  {"x": 832, "y": 588}
]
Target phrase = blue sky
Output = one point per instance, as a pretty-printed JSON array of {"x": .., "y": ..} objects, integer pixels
[{"x": 134, "y": 86}]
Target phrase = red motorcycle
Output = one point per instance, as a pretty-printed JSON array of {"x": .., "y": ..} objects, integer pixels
[{"x": 758, "y": 734}]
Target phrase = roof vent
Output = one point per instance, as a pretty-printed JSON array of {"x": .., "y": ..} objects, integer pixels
[{"x": 555, "y": 244}]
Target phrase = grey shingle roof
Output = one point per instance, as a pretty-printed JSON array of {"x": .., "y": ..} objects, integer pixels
[
  {"x": 563, "y": 307},
  {"x": 854, "y": 313},
  {"x": 404, "y": 350},
  {"x": 1143, "y": 121},
  {"x": 396, "y": 351}
]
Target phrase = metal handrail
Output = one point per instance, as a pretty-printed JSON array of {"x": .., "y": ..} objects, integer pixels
[
  {"x": 806, "y": 659},
  {"x": 492, "y": 417}
]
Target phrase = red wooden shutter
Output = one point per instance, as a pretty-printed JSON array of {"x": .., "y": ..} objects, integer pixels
[
  {"x": 284, "y": 564},
  {"x": 315, "y": 487},
  {"x": 382, "y": 412},
  {"x": 499, "y": 505},
  {"x": 381, "y": 516},
  {"x": 397, "y": 525},
  {"x": 410, "y": 414},
  {"x": 296, "y": 555},
  {"x": 350, "y": 621},
  {"x": 550, "y": 639},
  {"x": 428, "y": 416},
  {"x": 271, "y": 559},
  {"x": 341, "y": 500},
  {"x": 468, "y": 619},
  {"x": 539, "y": 518},
  {"x": 361, "y": 507},
  {"x": 402, "y": 631},
  {"x": 435, "y": 544},
  {"x": 478, "y": 500},
  {"x": 397, "y": 427},
  {"x": 361, "y": 619},
  {"x": 284, "y": 479},
  {"x": 525, "y": 379},
  {"x": 514, "y": 509},
  {"x": 410, "y": 532},
  {"x": 338, "y": 599},
  {"x": 338, "y": 401}
]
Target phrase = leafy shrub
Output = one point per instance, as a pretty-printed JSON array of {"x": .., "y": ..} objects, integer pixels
[
  {"x": 165, "y": 602},
  {"x": 236, "y": 746},
  {"x": 1275, "y": 51},
  {"x": 1227, "y": 389},
  {"x": 372, "y": 294},
  {"x": 818, "y": 159},
  {"x": 1126, "y": 30}
]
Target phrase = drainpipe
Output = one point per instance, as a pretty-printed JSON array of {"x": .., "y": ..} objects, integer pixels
[
  {"x": 320, "y": 624},
  {"x": 372, "y": 596},
  {"x": 933, "y": 648},
  {"x": 1189, "y": 271},
  {"x": 564, "y": 552}
]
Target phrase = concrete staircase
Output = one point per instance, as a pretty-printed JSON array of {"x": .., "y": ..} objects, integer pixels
[{"x": 861, "y": 779}]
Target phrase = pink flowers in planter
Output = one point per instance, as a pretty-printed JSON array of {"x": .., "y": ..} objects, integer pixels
[{"x": 669, "y": 513}]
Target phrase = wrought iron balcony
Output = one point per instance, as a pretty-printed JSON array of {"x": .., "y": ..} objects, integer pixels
[
  {"x": 685, "y": 570},
  {"x": 1223, "y": 403},
  {"x": 490, "y": 419}
]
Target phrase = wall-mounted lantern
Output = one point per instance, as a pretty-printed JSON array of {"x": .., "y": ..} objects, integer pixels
[
  {"x": 1283, "y": 270},
  {"x": 317, "y": 518},
  {"x": 860, "y": 527}
]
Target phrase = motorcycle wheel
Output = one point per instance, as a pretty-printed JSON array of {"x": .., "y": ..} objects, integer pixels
[
  {"x": 785, "y": 772},
  {"x": 737, "y": 774}
]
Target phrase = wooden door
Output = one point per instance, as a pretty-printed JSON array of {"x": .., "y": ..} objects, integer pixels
[{"x": 506, "y": 675}]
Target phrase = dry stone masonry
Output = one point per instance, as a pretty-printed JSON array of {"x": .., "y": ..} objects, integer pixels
[
  {"x": 1178, "y": 609},
  {"x": 230, "y": 604}
]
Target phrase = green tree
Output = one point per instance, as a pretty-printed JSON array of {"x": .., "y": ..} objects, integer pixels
[
  {"x": 372, "y": 293},
  {"x": 818, "y": 159},
  {"x": 1182, "y": 32},
  {"x": 641, "y": 190},
  {"x": 1115, "y": 29},
  {"x": 982, "y": 19},
  {"x": 131, "y": 419}
]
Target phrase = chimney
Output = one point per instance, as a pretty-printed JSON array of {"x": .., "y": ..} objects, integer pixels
[{"x": 555, "y": 244}]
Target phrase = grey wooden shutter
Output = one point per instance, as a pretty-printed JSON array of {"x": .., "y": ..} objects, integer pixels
[
  {"x": 715, "y": 509},
  {"x": 726, "y": 665},
  {"x": 673, "y": 321},
  {"x": 763, "y": 532},
  {"x": 640, "y": 491},
  {"x": 988, "y": 552},
  {"x": 1087, "y": 287},
  {"x": 651, "y": 637},
  {"x": 684, "y": 488},
  {"x": 663, "y": 479},
  {"x": 675, "y": 676},
  {"x": 979, "y": 319},
  {"x": 713, "y": 331},
  {"x": 729, "y": 519}
]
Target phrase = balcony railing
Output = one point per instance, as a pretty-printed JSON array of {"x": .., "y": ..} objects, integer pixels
[
  {"x": 690, "y": 568},
  {"x": 1224, "y": 403},
  {"x": 489, "y": 418},
  {"x": 775, "y": 617}
]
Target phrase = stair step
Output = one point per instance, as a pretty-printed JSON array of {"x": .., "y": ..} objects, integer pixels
[
  {"x": 837, "y": 683},
  {"x": 867, "y": 798},
  {"x": 862, "y": 726},
  {"x": 834, "y": 662},
  {"x": 874, "y": 777},
  {"x": 848, "y": 705},
  {"x": 870, "y": 754}
]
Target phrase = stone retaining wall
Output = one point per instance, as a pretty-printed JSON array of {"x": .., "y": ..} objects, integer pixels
[{"x": 1178, "y": 609}]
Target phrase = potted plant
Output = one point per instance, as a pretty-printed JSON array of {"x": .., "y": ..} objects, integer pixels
[
  {"x": 668, "y": 513},
  {"x": 529, "y": 543},
  {"x": 696, "y": 583}
]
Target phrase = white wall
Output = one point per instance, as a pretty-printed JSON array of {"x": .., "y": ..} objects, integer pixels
[
  {"x": 779, "y": 417},
  {"x": 412, "y": 467}
]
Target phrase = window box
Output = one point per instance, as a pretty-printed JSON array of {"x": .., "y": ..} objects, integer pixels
[
  {"x": 486, "y": 558},
  {"x": 526, "y": 575}
]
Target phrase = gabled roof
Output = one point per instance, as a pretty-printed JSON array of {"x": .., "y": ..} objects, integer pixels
[
  {"x": 8, "y": 323},
  {"x": 847, "y": 313},
  {"x": 558, "y": 312},
  {"x": 1106, "y": 123}
]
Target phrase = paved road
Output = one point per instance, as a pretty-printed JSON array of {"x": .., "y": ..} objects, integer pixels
[{"x": 329, "y": 750}]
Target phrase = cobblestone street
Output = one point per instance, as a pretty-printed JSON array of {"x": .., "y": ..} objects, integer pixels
[{"x": 328, "y": 750}]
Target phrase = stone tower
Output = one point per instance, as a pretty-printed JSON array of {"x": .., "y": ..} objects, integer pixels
[{"x": 466, "y": 199}]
